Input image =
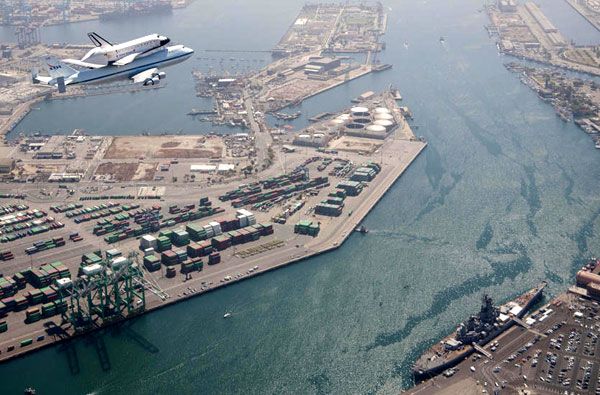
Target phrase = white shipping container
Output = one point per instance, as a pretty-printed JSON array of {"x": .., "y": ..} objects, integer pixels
[
  {"x": 90, "y": 270},
  {"x": 113, "y": 253},
  {"x": 119, "y": 262},
  {"x": 243, "y": 220},
  {"x": 216, "y": 228},
  {"x": 209, "y": 231},
  {"x": 148, "y": 241},
  {"x": 63, "y": 282},
  {"x": 243, "y": 211},
  {"x": 251, "y": 220},
  {"x": 148, "y": 251}
]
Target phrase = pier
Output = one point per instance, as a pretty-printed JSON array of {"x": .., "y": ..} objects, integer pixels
[{"x": 395, "y": 155}]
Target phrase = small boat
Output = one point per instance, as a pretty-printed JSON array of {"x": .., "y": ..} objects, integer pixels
[
  {"x": 442, "y": 39},
  {"x": 30, "y": 391},
  {"x": 362, "y": 229},
  {"x": 227, "y": 315}
]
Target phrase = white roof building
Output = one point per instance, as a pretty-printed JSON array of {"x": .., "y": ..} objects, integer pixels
[
  {"x": 202, "y": 168},
  {"x": 225, "y": 167}
]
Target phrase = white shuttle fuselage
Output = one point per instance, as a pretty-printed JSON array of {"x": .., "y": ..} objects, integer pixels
[{"x": 106, "y": 53}]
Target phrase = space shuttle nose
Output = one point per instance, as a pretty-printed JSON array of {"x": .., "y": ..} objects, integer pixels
[{"x": 165, "y": 41}]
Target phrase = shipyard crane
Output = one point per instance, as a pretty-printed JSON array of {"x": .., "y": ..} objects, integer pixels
[{"x": 107, "y": 293}]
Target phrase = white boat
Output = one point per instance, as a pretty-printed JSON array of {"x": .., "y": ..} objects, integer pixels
[{"x": 227, "y": 315}]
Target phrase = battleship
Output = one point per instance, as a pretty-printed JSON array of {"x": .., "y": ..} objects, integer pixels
[{"x": 479, "y": 329}]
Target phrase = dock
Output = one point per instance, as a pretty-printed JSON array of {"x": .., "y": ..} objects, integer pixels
[
  {"x": 396, "y": 154},
  {"x": 320, "y": 117}
]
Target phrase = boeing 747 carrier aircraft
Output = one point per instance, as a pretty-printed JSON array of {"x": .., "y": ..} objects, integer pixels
[{"x": 142, "y": 69}]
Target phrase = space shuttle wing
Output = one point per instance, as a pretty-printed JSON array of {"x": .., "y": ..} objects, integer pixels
[
  {"x": 144, "y": 75},
  {"x": 83, "y": 64},
  {"x": 127, "y": 59}
]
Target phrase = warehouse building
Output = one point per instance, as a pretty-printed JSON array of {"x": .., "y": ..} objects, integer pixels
[
  {"x": 321, "y": 65},
  {"x": 6, "y": 165}
]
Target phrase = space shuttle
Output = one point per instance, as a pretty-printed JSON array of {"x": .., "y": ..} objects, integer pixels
[{"x": 106, "y": 53}]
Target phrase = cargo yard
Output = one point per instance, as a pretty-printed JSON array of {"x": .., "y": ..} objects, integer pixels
[
  {"x": 525, "y": 32},
  {"x": 80, "y": 253},
  {"x": 573, "y": 99},
  {"x": 552, "y": 350}
]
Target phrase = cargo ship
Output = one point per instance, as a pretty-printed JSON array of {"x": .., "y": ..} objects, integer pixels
[
  {"x": 139, "y": 9},
  {"x": 479, "y": 329}
]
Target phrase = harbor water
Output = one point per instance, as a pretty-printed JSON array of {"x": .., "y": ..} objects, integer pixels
[{"x": 504, "y": 196}]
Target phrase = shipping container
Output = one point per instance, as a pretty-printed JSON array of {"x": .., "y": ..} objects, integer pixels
[{"x": 214, "y": 258}]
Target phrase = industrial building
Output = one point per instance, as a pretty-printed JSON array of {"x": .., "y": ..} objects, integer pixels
[
  {"x": 589, "y": 278},
  {"x": 6, "y": 165},
  {"x": 221, "y": 168},
  {"x": 321, "y": 65},
  {"x": 64, "y": 177},
  {"x": 312, "y": 140}
]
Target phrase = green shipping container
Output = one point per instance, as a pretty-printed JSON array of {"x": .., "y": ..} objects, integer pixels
[{"x": 26, "y": 342}]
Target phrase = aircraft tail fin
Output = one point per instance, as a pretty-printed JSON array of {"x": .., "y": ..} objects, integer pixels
[
  {"x": 57, "y": 68},
  {"x": 98, "y": 40}
]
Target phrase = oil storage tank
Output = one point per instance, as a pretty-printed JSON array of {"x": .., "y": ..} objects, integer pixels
[
  {"x": 360, "y": 112},
  {"x": 384, "y": 115},
  {"x": 387, "y": 124},
  {"x": 376, "y": 131}
]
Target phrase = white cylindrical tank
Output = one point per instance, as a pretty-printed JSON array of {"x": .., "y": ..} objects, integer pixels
[
  {"x": 387, "y": 116},
  {"x": 382, "y": 110},
  {"x": 359, "y": 111},
  {"x": 376, "y": 128},
  {"x": 353, "y": 125},
  {"x": 385, "y": 123}
]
